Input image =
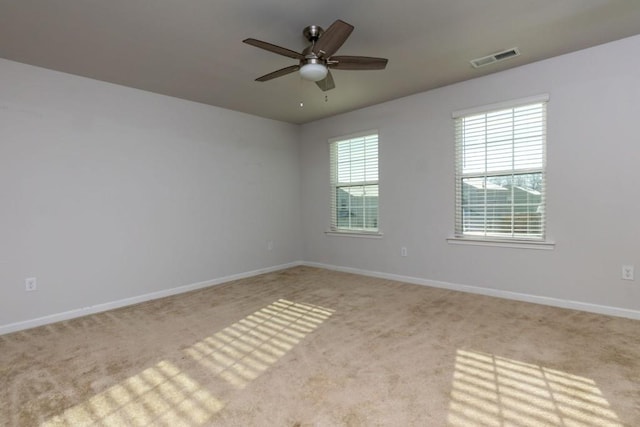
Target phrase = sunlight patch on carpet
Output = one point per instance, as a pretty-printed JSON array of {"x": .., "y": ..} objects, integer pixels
[
  {"x": 244, "y": 350},
  {"x": 165, "y": 395},
  {"x": 161, "y": 395},
  {"x": 490, "y": 390}
]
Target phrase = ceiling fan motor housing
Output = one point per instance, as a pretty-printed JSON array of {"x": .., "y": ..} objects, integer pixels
[
  {"x": 313, "y": 33},
  {"x": 316, "y": 59}
]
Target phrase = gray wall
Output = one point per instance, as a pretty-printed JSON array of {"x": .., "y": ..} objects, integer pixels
[
  {"x": 108, "y": 193},
  {"x": 593, "y": 174}
]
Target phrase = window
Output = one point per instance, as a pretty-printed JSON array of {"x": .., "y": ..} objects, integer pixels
[
  {"x": 354, "y": 183},
  {"x": 500, "y": 171}
]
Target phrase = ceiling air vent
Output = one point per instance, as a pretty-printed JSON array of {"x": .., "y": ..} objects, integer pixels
[{"x": 495, "y": 57}]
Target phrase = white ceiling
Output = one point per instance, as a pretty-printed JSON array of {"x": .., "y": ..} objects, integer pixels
[{"x": 193, "y": 49}]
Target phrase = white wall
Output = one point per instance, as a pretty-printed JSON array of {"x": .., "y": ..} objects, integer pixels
[
  {"x": 108, "y": 193},
  {"x": 593, "y": 183}
]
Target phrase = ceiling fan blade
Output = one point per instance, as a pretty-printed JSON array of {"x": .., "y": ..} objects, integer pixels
[
  {"x": 273, "y": 48},
  {"x": 278, "y": 73},
  {"x": 331, "y": 40},
  {"x": 357, "y": 63},
  {"x": 326, "y": 83}
]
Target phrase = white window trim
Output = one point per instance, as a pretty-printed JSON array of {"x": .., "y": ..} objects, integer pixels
[
  {"x": 517, "y": 244},
  {"x": 364, "y": 234},
  {"x": 544, "y": 243},
  {"x": 344, "y": 232},
  {"x": 501, "y": 105}
]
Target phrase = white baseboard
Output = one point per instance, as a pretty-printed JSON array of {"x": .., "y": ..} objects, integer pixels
[
  {"x": 79, "y": 312},
  {"x": 555, "y": 302}
]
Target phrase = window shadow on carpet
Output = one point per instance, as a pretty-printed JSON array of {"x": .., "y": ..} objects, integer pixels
[
  {"x": 490, "y": 390},
  {"x": 164, "y": 394}
]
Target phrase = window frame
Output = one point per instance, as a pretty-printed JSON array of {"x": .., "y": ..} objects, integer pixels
[
  {"x": 511, "y": 239},
  {"x": 335, "y": 184}
]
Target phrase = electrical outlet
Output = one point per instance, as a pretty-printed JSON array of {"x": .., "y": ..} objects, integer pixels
[
  {"x": 30, "y": 284},
  {"x": 627, "y": 272},
  {"x": 270, "y": 245},
  {"x": 403, "y": 251}
]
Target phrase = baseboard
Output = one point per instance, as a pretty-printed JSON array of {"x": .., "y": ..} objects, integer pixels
[
  {"x": 71, "y": 314},
  {"x": 555, "y": 302}
]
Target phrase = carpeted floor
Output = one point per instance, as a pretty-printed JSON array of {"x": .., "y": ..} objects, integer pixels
[{"x": 310, "y": 347}]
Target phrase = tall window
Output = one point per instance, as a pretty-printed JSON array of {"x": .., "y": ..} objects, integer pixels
[
  {"x": 354, "y": 183},
  {"x": 500, "y": 171}
]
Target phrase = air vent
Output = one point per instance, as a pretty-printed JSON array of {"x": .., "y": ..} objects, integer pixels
[{"x": 495, "y": 57}]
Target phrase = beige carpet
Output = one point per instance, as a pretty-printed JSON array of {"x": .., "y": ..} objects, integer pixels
[{"x": 309, "y": 347}]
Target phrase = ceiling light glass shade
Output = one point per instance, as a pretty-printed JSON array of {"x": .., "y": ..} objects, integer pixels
[{"x": 313, "y": 72}]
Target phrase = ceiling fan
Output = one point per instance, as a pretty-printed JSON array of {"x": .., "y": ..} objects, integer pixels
[{"x": 317, "y": 58}]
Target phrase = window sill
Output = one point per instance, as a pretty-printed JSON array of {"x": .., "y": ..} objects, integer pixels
[
  {"x": 365, "y": 234},
  {"x": 503, "y": 243}
]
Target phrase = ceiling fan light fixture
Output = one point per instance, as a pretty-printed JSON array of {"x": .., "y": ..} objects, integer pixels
[
  {"x": 316, "y": 59},
  {"x": 313, "y": 71}
]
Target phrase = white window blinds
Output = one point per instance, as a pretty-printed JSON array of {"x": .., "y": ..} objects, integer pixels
[
  {"x": 354, "y": 183},
  {"x": 500, "y": 172}
]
